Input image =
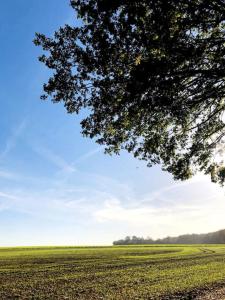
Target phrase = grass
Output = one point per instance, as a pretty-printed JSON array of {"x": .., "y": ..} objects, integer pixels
[{"x": 106, "y": 273}]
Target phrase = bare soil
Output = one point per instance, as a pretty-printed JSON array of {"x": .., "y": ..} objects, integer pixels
[{"x": 217, "y": 294}]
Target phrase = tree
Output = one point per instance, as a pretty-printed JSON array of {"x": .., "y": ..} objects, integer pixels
[{"x": 151, "y": 76}]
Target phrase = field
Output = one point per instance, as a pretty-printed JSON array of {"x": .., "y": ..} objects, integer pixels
[{"x": 106, "y": 273}]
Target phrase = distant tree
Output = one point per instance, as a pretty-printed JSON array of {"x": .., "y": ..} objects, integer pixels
[
  {"x": 151, "y": 76},
  {"x": 217, "y": 237},
  {"x": 127, "y": 240}
]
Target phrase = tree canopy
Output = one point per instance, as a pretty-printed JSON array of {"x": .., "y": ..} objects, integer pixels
[{"x": 150, "y": 75}]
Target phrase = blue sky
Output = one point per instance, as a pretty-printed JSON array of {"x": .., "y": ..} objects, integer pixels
[{"x": 57, "y": 187}]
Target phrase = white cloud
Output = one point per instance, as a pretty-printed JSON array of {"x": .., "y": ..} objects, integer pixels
[
  {"x": 195, "y": 206},
  {"x": 113, "y": 210}
]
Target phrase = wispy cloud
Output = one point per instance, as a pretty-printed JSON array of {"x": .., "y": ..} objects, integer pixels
[
  {"x": 54, "y": 158},
  {"x": 12, "y": 139},
  {"x": 8, "y": 175},
  {"x": 162, "y": 210},
  {"x": 87, "y": 155},
  {"x": 108, "y": 203},
  {"x": 195, "y": 206},
  {"x": 7, "y": 196}
]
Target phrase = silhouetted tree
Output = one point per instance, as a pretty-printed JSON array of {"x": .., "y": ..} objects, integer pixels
[
  {"x": 151, "y": 75},
  {"x": 217, "y": 237}
]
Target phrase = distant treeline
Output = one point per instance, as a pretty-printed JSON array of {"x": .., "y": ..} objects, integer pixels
[{"x": 217, "y": 237}]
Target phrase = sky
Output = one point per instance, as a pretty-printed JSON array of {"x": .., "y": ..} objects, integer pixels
[{"x": 58, "y": 188}]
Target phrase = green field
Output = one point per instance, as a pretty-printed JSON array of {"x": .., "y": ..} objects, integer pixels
[{"x": 122, "y": 272}]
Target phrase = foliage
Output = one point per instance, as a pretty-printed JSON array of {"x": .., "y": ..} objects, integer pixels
[
  {"x": 110, "y": 273},
  {"x": 151, "y": 76},
  {"x": 217, "y": 237}
]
